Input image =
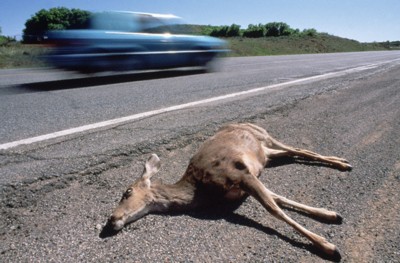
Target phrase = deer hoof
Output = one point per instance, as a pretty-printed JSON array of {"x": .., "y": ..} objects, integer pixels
[
  {"x": 339, "y": 219},
  {"x": 336, "y": 255}
]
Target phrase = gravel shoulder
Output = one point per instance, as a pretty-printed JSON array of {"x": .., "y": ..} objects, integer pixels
[{"x": 58, "y": 214}]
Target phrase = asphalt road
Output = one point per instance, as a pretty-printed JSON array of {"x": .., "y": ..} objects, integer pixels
[
  {"x": 56, "y": 194},
  {"x": 37, "y": 102}
]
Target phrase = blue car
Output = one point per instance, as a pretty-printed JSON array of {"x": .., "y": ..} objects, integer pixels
[{"x": 118, "y": 41}]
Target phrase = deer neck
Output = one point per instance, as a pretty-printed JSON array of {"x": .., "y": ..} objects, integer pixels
[{"x": 174, "y": 197}]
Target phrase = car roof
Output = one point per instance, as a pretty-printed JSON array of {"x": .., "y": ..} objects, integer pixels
[{"x": 146, "y": 14}]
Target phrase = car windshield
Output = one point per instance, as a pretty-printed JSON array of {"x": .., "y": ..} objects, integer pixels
[
  {"x": 135, "y": 22},
  {"x": 162, "y": 24},
  {"x": 114, "y": 21}
]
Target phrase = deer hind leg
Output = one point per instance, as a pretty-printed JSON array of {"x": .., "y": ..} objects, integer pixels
[
  {"x": 255, "y": 188},
  {"x": 274, "y": 149},
  {"x": 314, "y": 211},
  {"x": 278, "y": 149}
]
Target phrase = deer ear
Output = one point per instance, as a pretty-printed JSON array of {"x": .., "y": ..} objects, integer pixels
[{"x": 151, "y": 167}]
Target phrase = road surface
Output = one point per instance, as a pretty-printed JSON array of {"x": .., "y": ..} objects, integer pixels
[{"x": 57, "y": 191}]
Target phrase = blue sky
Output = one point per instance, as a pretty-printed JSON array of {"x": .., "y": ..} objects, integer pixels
[{"x": 362, "y": 20}]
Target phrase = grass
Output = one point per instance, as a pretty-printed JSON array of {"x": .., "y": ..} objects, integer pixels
[
  {"x": 17, "y": 55},
  {"x": 297, "y": 45}
]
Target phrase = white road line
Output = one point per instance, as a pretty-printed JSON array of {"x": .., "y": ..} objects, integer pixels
[{"x": 142, "y": 115}]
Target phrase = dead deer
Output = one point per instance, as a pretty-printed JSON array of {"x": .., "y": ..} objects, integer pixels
[{"x": 228, "y": 164}]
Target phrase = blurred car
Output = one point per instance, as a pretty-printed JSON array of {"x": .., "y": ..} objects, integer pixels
[{"x": 119, "y": 41}]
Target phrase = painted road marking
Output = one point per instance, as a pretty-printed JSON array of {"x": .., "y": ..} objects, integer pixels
[{"x": 118, "y": 121}]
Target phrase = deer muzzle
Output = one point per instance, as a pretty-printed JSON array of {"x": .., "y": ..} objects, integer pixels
[{"x": 120, "y": 218}]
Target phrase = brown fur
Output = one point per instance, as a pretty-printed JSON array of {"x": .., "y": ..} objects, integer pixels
[{"x": 228, "y": 164}]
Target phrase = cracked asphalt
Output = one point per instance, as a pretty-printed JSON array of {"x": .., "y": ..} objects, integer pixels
[{"x": 56, "y": 196}]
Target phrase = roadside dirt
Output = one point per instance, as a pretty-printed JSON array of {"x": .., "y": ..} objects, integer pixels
[{"x": 60, "y": 219}]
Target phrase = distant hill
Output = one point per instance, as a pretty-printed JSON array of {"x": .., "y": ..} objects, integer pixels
[
  {"x": 322, "y": 43},
  {"x": 298, "y": 42}
]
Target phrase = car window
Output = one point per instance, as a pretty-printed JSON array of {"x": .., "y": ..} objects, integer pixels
[
  {"x": 134, "y": 22},
  {"x": 151, "y": 24},
  {"x": 114, "y": 21},
  {"x": 160, "y": 25}
]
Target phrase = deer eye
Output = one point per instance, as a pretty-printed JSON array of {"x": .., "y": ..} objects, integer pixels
[{"x": 128, "y": 192}]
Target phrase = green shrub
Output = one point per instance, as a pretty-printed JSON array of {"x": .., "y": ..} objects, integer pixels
[{"x": 254, "y": 31}]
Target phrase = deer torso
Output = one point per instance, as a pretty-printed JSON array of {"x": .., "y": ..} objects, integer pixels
[{"x": 223, "y": 160}]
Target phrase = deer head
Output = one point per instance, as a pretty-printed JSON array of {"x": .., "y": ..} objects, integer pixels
[{"x": 137, "y": 200}]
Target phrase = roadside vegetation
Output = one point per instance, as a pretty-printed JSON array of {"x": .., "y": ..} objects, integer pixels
[
  {"x": 288, "y": 45},
  {"x": 15, "y": 54},
  {"x": 274, "y": 38}
]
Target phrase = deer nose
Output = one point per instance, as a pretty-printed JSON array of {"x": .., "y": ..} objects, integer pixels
[
  {"x": 116, "y": 222},
  {"x": 117, "y": 214},
  {"x": 115, "y": 218},
  {"x": 112, "y": 218}
]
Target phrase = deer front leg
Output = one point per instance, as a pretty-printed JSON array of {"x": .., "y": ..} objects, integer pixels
[
  {"x": 315, "y": 211},
  {"x": 255, "y": 188}
]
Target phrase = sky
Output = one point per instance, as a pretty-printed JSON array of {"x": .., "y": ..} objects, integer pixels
[{"x": 361, "y": 20}]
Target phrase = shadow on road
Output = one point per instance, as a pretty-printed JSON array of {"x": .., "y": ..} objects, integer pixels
[
  {"x": 108, "y": 231},
  {"x": 215, "y": 214},
  {"x": 92, "y": 81},
  {"x": 222, "y": 210},
  {"x": 226, "y": 212},
  {"x": 245, "y": 221}
]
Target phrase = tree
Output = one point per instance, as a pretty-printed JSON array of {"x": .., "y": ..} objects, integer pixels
[
  {"x": 54, "y": 19},
  {"x": 254, "y": 31},
  {"x": 311, "y": 32},
  {"x": 225, "y": 31},
  {"x": 219, "y": 31},
  {"x": 277, "y": 29},
  {"x": 233, "y": 31}
]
